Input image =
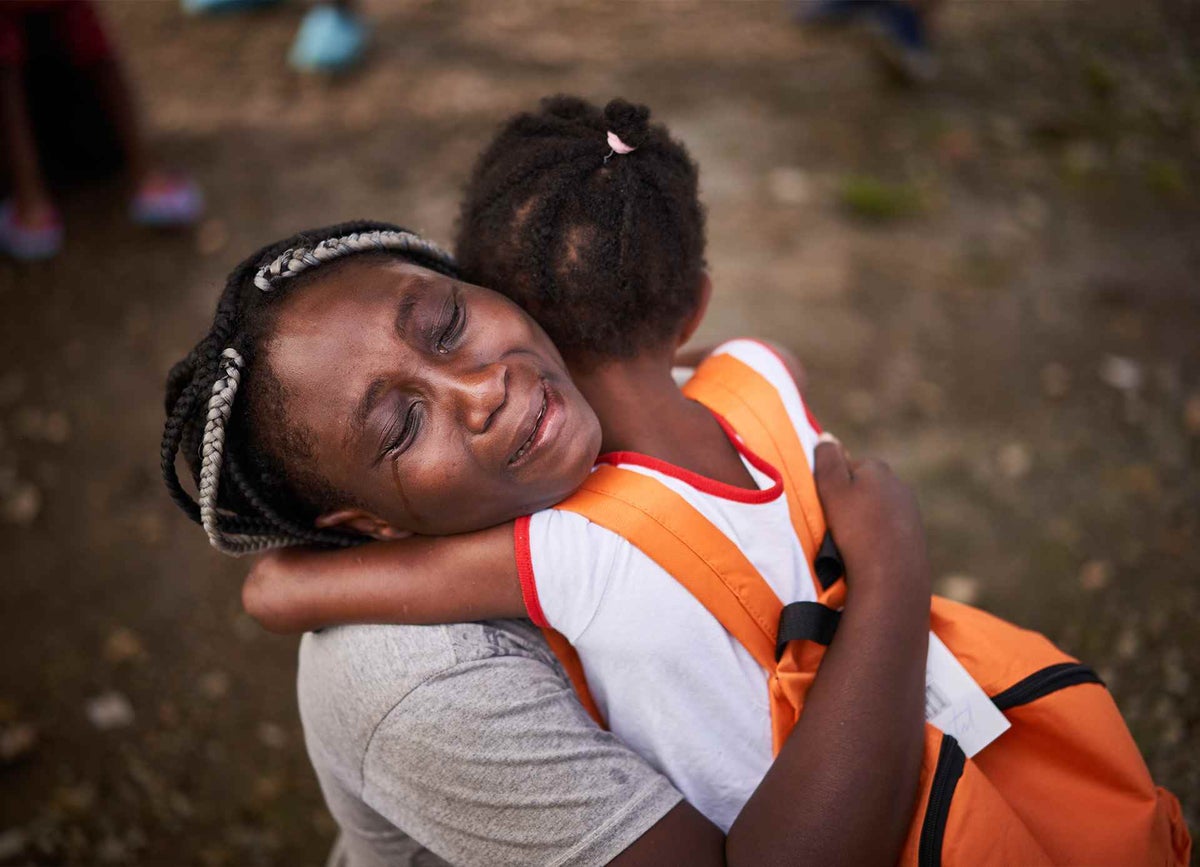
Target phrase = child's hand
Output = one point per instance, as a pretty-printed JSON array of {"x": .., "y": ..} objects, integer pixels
[
  {"x": 265, "y": 592},
  {"x": 875, "y": 522}
]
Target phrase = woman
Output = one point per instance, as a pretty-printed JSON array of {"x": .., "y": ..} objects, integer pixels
[{"x": 467, "y": 736}]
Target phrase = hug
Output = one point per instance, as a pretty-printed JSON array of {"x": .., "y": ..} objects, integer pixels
[{"x": 611, "y": 622}]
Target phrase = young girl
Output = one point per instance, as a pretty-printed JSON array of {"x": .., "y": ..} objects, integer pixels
[{"x": 592, "y": 223}]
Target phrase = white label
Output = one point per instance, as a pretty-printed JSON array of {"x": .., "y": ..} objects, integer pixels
[{"x": 956, "y": 704}]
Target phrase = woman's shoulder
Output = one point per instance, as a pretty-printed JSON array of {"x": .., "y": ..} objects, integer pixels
[
  {"x": 457, "y": 739},
  {"x": 411, "y": 654},
  {"x": 350, "y": 677}
]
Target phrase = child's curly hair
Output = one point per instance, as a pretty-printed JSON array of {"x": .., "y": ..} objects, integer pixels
[{"x": 605, "y": 250}]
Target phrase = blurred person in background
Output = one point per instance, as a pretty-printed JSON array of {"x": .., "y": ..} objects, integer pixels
[
  {"x": 64, "y": 40},
  {"x": 899, "y": 31},
  {"x": 331, "y": 38}
]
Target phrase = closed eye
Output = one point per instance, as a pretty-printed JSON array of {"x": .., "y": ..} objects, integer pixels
[
  {"x": 454, "y": 327},
  {"x": 402, "y": 432}
]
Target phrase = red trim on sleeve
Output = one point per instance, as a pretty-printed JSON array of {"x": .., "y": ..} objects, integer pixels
[
  {"x": 812, "y": 419},
  {"x": 529, "y": 594}
]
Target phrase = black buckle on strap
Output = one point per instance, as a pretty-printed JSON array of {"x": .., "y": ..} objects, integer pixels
[
  {"x": 806, "y": 621},
  {"x": 828, "y": 563}
]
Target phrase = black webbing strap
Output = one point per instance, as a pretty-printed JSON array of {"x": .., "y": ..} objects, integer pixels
[
  {"x": 806, "y": 621},
  {"x": 828, "y": 562}
]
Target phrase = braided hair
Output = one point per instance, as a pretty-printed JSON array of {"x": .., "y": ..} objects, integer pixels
[
  {"x": 224, "y": 405},
  {"x": 602, "y": 242}
]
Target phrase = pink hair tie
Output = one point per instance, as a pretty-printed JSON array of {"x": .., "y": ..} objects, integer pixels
[{"x": 618, "y": 146}]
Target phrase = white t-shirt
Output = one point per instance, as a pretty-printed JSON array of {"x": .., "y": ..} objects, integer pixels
[{"x": 669, "y": 680}]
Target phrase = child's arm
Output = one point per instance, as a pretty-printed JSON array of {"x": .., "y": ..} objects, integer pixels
[
  {"x": 421, "y": 579},
  {"x": 792, "y": 362},
  {"x": 691, "y": 357}
]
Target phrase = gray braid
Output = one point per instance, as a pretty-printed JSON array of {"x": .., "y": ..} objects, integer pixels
[
  {"x": 297, "y": 260},
  {"x": 212, "y": 457}
]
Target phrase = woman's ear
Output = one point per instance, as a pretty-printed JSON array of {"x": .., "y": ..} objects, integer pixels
[
  {"x": 362, "y": 522},
  {"x": 703, "y": 296}
]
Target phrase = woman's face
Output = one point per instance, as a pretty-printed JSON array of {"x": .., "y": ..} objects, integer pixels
[{"x": 439, "y": 406}]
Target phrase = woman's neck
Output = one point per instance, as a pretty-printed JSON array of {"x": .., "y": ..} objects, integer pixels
[{"x": 641, "y": 409}]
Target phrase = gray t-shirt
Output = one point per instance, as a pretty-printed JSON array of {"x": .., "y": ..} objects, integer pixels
[{"x": 469, "y": 740}]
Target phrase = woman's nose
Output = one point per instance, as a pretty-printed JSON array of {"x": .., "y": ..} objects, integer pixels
[{"x": 480, "y": 394}]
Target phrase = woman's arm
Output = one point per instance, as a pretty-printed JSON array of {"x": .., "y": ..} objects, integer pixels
[
  {"x": 421, "y": 579},
  {"x": 856, "y": 751},
  {"x": 842, "y": 789}
]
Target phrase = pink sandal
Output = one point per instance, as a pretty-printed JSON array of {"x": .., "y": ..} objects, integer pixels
[
  {"x": 169, "y": 200},
  {"x": 29, "y": 243}
]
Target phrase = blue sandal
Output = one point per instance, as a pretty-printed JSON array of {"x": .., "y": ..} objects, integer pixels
[{"x": 330, "y": 39}]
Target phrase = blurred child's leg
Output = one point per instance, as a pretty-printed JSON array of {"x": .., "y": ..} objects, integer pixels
[
  {"x": 158, "y": 197},
  {"x": 31, "y": 198},
  {"x": 29, "y": 225},
  {"x": 114, "y": 92}
]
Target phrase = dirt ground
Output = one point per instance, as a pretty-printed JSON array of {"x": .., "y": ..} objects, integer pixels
[{"x": 992, "y": 282}]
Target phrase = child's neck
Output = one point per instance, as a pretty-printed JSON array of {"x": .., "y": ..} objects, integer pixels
[{"x": 641, "y": 409}]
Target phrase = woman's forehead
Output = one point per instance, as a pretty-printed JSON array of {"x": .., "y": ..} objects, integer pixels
[
  {"x": 339, "y": 324},
  {"x": 364, "y": 280}
]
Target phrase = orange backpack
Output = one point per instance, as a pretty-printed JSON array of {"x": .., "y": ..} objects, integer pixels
[{"x": 1064, "y": 785}]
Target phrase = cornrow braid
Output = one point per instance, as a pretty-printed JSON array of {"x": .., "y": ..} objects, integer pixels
[
  {"x": 245, "y": 503},
  {"x": 602, "y": 243},
  {"x": 297, "y": 260}
]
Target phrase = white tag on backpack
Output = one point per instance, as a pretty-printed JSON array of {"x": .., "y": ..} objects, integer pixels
[{"x": 956, "y": 704}]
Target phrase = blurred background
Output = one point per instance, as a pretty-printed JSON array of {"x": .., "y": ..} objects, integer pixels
[{"x": 991, "y": 277}]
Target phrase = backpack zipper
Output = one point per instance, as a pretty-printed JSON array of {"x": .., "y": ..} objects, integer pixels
[
  {"x": 950, "y": 764},
  {"x": 952, "y": 760},
  {"x": 1048, "y": 680}
]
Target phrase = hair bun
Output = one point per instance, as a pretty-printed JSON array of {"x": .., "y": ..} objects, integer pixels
[
  {"x": 566, "y": 107},
  {"x": 630, "y": 122}
]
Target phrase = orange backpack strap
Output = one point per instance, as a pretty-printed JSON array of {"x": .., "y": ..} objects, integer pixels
[
  {"x": 671, "y": 532},
  {"x": 753, "y": 407}
]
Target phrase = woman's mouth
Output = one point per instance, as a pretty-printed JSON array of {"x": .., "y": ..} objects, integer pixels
[{"x": 538, "y": 428}]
